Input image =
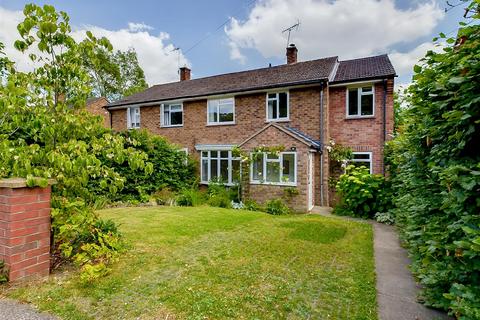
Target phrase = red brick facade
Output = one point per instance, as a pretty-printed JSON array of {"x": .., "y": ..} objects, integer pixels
[
  {"x": 24, "y": 229},
  {"x": 96, "y": 106},
  {"x": 304, "y": 114}
]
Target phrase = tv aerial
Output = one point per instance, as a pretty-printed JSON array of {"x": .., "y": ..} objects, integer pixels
[{"x": 290, "y": 29}]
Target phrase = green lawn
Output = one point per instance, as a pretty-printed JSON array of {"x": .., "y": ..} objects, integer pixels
[{"x": 212, "y": 263}]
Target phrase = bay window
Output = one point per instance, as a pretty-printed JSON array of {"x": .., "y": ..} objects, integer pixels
[
  {"x": 219, "y": 166},
  {"x": 274, "y": 169},
  {"x": 172, "y": 115}
]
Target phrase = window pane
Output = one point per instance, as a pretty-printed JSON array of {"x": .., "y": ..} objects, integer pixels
[
  {"x": 283, "y": 105},
  {"x": 213, "y": 154},
  {"x": 272, "y": 96},
  {"x": 272, "y": 109},
  {"x": 205, "y": 154},
  {"x": 257, "y": 167},
  {"x": 204, "y": 170},
  {"x": 235, "y": 171},
  {"x": 366, "y": 89},
  {"x": 213, "y": 169},
  {"x": 223, "y": 171},
  {"x": 226, "y": 113},
  {"x": 175, "y": 107},
  {"x": 288, "y": 168},
  {"x": 224, "y": 154},
  {"x": 367, "y": 105},
  {"x": 361, "y": 156},
  {"x": 273, "y": 172},
  {"x": 352, "y": 102},
  {"x": 166, "y": 117},
  {"x": 176, "y": 118},
  {"x": 212, "y": 112},
  {"x": 272, "y": 156}
]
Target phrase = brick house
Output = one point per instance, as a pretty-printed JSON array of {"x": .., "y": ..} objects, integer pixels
[
  {"x": 97, "y": 106},
  {"x": 299, "y": 105}
]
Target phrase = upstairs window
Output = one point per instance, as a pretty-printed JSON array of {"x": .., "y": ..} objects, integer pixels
[
  {"x": 362, "y": 159},
  {"x": 221, "y": 111},
  {"x": 133, "y": 118},
  {"x": 172, "y": 115},
  {"x": 277, "y": 106},
  {"x": 274, "y": 169},
  {"x": 360, "y": 102}
]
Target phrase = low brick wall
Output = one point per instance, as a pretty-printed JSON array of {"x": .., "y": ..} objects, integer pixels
[{"x": 24, "y": 229}]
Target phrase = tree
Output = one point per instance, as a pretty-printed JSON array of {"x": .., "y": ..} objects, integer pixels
[{"x": 132, "y": 77}]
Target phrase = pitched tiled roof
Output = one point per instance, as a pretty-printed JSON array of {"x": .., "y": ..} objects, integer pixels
[
  {"x": 314, "y": 143},
  {"x": 364, "y": 68},
  {"x": 283, "y": 75}
]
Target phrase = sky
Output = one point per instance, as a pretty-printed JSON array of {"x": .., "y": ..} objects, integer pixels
[{"x": 217, "y": 37}]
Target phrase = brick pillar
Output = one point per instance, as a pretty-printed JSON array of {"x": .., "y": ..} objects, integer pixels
[{"x": 24, "y": 229}]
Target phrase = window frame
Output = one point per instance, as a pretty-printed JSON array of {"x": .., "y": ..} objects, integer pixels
[
  {"x": 280, "y": 161},
  {"x": 162, "y": 114},
  {"x": 370, "y": 159},
  {"x": 230, "y": 158},
  {"x": 218, "y": 123},
  {"x": 359, "y": 89},
  {"x": 129, "y": 118},
  {"x": 267, "y": 99}
]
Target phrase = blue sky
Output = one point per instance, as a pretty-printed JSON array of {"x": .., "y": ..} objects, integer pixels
[{"x": 252, "y": 37}]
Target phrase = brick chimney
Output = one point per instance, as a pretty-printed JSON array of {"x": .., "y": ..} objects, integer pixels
[
  {"x": 292, "y": 54},
  {"x": 184, "y": 73}
]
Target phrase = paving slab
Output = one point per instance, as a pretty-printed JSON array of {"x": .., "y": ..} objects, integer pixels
[{"x": 13, "y": 310}]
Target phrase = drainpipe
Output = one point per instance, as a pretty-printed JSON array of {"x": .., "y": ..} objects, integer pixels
[
  {"x": 321, "y": 141},
  {"x": 384, "y": 133}
]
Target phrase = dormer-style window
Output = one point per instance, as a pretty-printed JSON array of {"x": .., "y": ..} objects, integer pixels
[
  {"x": 360, "y": 102},
  {"x": 277, "y": 106},
  {"x": 133, "y": 118},
  {"x": 221, "y": 111},
  {"x": 172, "y": 115}
]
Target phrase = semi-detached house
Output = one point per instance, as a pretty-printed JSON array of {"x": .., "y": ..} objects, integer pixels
[{"x": 300, "y": 106}]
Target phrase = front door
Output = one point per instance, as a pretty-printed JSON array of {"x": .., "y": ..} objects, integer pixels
[{"x": 310, "y": 181}]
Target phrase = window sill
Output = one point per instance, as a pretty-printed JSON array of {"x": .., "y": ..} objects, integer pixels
[
  {"x": 280, "y": 184},
  {"x": 174, "y": 126},
  {"x": 220, "y": 124},
  {"x": 359, "y": 117},
  {"x": 225, "y": 184},
  {"x": 277, "y": 120},
  {"x": 133, "y": 128}
]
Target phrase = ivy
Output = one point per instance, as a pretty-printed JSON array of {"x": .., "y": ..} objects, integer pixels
[{"x": 435, "y": 163}]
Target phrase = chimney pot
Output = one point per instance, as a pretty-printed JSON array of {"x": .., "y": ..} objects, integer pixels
[
  {"x": 184, "y": 73},
  {"x": 292, "y": 54}
]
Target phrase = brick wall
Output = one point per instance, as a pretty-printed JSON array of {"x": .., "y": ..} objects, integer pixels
[
  {"x": 362, "y": 134},
  {"x": 96, "y": 107},
  {"x": 24, "y": 229}
]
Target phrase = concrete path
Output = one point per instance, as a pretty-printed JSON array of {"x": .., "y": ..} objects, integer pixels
[
  {"x": 12, "y": 310},
  {"x": 396, "y": 288}
]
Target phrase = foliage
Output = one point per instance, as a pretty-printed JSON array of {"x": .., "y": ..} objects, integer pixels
[
  {"x": 387, "y": 217},
  {"x": 3, "y": 272},
  {"x": 190, "y": 197},
  {"x": 290, "y": 192},
  {"x": 251, "y": 205},
  {"x": 338, "y": 153},
  {"x": 436, "y": 174},
  {"x": 362, "y": 194},
  {"x": 276, "y": 207},
  {"x": 164, "y": 197}
]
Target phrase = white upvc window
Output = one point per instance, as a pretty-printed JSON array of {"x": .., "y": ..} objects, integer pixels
[
  {"x": 133, "y": 117},
  {"x": 362, "y": 159},
  {"x": 171, "y": 115},
  {"x": 274, "y": 169},
  {"x": 221, "y": 111},
  {"x": 278, "y": 108},
  {"x": 219, "y": 166},
  {"x": 360, "y": 101}
]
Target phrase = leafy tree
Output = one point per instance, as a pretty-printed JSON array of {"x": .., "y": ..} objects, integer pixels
[
  {"x": 132, "y": 77},
  {"x": 437, "y": 173}
]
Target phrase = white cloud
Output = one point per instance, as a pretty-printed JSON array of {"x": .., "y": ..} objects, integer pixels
[
  {"x": 348, "y": 28},
  {"x": 154, "y": 52},
  {"x": 404, "y": 62}
]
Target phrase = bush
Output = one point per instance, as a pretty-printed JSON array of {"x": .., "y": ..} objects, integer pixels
[
  {"x": 164, "y": 197},
  {"x": 251, "y": 205},
  {"x": 276, "y": 207},
  {"x": 385, "y": 217},
  {"x": 221, "y": 201},
  {"x": 190, "y": 197},
  {"x": 362, "y": 194},
  {"x": 3, "y": 272}
]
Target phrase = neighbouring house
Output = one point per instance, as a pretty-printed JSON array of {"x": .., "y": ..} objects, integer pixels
[
  {"x": 299, "y": 105},
  {"x": 97, "y": 106}
]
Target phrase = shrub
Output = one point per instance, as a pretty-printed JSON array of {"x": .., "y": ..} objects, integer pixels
[
  {"x": 164, "y": 197},
  {"x": 190, "y": 197},
  {"x": 221, "y": 201},
  {"x": 385, "y": 217},
  {"x": 251, "y": 205},
  {"x": 3, "y": 272},
  {"x": 276, "y": 207},
  {"x": 362, "y": 194}
]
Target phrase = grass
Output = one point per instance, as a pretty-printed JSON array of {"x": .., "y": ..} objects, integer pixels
[{"x": 212, "y": 263}]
